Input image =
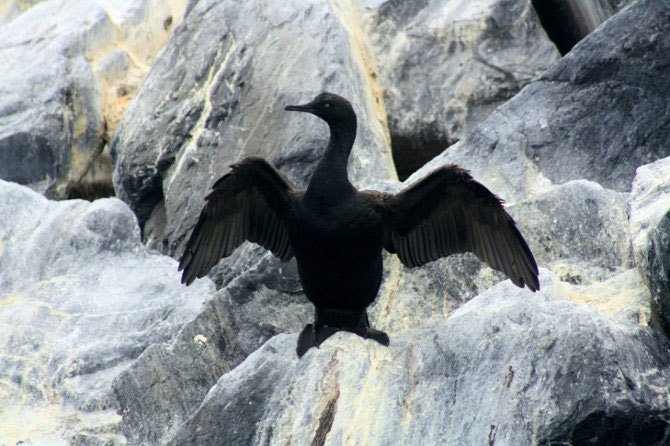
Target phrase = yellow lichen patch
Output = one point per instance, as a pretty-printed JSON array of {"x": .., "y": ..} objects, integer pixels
[
  {"x": 146, "y": 38},
  {"x": 120, "y": 50},
  {"x": 535, "y": 182},
  {"x": 206, "y": 95},
  {"x": 13, "y": 299},
  {"x": 116, "y": 101},
  {"x": 623, "y": 295},
  {"x": 364, "y": 412},
  {"x": 51, "y": 423},
  {"x": 140, "y": 43},
  {"x": 386, "y": 297},
  {"x": 348, "y": 13},
  {"x": 19, "y": 423},
  {"x": 9, "y": 9},
  {"x": 78, "y": 160}
]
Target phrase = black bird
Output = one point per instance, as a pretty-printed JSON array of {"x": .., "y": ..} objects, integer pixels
[{"x": 337, "y": 233}]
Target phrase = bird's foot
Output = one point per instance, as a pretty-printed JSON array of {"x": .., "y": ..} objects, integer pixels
[
  {"x": 377, "y": 335},
  {"x": 313, "y": 335}
]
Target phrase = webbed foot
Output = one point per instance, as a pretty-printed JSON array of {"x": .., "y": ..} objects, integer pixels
[
  {"x": 313, "y": 335},
  {"x": 377, "y": 335},
  {"x": 329, "y": 322}
]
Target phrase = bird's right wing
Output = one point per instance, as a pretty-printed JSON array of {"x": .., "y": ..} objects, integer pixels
[
  {"x": 448, "y": 212},
  {"x": 248, "y": 203}
]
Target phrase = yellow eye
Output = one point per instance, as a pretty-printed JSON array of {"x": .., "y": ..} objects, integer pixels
[{"x": 326, "y": 105}]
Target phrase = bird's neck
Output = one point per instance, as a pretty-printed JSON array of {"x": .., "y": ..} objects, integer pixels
[{"x": 330, "y": 181}]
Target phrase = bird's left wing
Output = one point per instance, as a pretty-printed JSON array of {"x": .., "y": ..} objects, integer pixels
[
  {"x": 248, "y": 203},
  {"x": 448, "y": 212}
]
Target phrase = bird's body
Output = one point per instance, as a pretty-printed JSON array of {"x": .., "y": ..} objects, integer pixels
[
  {"x": 338, "y": 248},
  {"x": 337, "y": 233}
]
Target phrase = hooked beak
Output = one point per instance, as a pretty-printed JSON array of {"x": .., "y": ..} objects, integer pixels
[{"x": 302, "y": 108}]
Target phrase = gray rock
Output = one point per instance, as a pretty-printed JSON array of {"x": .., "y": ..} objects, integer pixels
[
  {"x": 10, "y": 9},
  {"x": 416, "y": 297},
  {"x": 577, "y": 223},
  {"x": 507, "y": 368},
  {"x": 232, "y": 96},
  {"x": 650, "y": 230},
  {"x": 246, "y": 61},
  {"x": 166, "y": 385},
  {"x": 266, "y": 298},
  {"x": 578, "y": 230},
  {"x": 622, "y": 297},
  {"x": 257, "y": 306},
  {"x": 569, "y": 21},
  {"x": 598, "y": 113},
  {"x": 446, "y": 65},
  {"x": 69, "y": 68},
  {"x": 80, "y": 300},
  {"x": 262, "y": 302}
]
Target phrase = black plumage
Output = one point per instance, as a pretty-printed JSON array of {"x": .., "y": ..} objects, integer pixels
[{"x": 337, "y": 233}]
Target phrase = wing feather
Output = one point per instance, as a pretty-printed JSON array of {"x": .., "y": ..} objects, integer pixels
[
  {"x": 250, "y": 202},
  {"x": 448, "y": 212}
]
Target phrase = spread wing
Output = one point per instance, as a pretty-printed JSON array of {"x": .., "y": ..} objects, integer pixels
[
  {"x": 248, "y": 203},
  {"x": 448, "y": 212}
]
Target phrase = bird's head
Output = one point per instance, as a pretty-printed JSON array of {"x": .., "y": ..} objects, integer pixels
[{"x": 329, "y": 107}]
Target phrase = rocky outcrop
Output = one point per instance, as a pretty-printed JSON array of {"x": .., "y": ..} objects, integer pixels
[
  {"x": 212, "y": 113},
  {"x": 509, "y": 367},
  {"x": 99, "y": 344},
  {"x": 577, "y": 225},
  {"x": 69, "y": 71},
  {"x": 13, "y": 8},
  {"x": 650, "y": 228},
  {"x": 80, "y": 299},
  {"x": 578, "y": 230},
  {"x": 166, "y": 385},
  {"x": 596, "y": 114},
  {"x": 445, "y": 65},
  {"x": 248, "y": 61},
  {"x": 569, "y": 21}
]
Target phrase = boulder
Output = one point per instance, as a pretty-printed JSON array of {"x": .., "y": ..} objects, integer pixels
[
  {"x": 577, "y": 225},
  {"x": 246, "y": 62},
  {"x": 596, "y": 114},
  {"x": 12, "y": 8},
  {"x": 579, "y": 230},
  {"x": 167, "y": 383},
  {"x": 69, "y": 70},
  {"x": 650, "y": 231},
  {"x": 80, "y": 299},
  {"x": 188, "y": 122},
  {"x": 100, "y": 344},
  {"x": 446, "y": 65},
  {"x": 506, "y": 368},
  {"x": 621, "y": 297},
  {"x": 569, "y": 21}
]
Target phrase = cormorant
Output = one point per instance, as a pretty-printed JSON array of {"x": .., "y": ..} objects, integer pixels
[{"x": 336, "y": 233}]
